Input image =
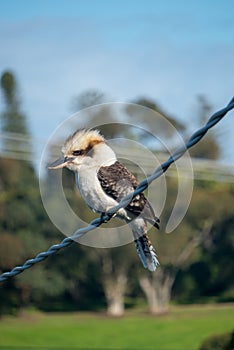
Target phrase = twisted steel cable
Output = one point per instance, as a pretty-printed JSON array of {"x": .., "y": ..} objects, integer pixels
[{"x": 195, "y": 138}]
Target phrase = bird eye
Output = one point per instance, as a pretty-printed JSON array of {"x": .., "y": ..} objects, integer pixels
[{"x": 79, "y": 152}]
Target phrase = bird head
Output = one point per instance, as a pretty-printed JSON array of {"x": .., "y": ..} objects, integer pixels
[{"x": 79, "y": 149}]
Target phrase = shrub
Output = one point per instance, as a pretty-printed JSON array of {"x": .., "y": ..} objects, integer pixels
[{"x": 219, "y": 342}]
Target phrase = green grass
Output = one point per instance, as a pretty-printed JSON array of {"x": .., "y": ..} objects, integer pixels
[{"x": 182, "y": 329}]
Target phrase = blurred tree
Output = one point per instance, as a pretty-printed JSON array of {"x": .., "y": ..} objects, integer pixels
[
  {"x": 21, "y": 209},
  {"x": 87, "y": 99},
  {"x": 116, "y": 264},
  {"x": 11, "y": 251},
  {"x": 157, "y": 286},
  {"x": 194, "y": 255},
  {"x": 13, "y": 121},
  {"x": 209, "y": 274},
  {"x": 17, "y": 178},
  {"x": 101, "y": 116},
  {"x": 212, "y": 274},
  {"x": 151, "y": 104},
  {"x": 153, "y": 127},
  {"x": 12, "y": 185},
  {"x": 207, "y": 148}
]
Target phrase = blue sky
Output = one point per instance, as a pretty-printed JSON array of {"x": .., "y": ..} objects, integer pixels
[{"x": 170, "y": 51}]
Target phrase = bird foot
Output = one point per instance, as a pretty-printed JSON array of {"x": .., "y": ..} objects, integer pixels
[{"x": 109, "y": 216}]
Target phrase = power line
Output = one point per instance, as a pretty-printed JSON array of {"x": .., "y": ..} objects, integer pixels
[{"x": 204, "y": 169}]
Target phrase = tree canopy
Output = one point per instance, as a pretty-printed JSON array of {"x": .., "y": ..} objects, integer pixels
[{"x": 196, "y": 259}]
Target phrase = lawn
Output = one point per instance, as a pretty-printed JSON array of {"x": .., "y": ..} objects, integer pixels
[{"x": 182, "y": 329}]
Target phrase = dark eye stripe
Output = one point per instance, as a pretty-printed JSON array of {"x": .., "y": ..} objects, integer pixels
[{"x": 79, "y": 152}]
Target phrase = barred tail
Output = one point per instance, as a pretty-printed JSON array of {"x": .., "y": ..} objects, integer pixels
[{"x": 146, "y": 253}]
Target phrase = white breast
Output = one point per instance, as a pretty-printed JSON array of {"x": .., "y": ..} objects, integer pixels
[{"x": 92, "y": 192}]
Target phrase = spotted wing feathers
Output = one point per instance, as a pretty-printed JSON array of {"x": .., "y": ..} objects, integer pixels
[{"x": 117, "y": 182}]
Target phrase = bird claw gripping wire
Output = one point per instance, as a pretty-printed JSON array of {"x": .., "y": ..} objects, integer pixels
[{"x": 105, "y": 217}]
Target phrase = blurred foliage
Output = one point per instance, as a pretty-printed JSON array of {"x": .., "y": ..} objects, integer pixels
[
  {"x": 82, "y": 277},
  {"x": 219, "y": 342},
  {"x": 87, "y": 99},
  {"x": 151, "y": 104},
  {"x": 208, "y": 147}
]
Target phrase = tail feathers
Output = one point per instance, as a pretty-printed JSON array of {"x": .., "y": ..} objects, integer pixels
[{"x": 146, "y": 253}]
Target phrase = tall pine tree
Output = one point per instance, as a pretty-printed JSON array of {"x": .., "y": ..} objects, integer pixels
[{"x": 20, "y": 205}]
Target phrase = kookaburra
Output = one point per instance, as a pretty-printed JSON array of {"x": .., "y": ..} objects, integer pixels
[{"x": 103, "y": 181}]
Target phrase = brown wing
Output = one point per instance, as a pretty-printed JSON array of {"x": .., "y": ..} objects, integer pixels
[{"x": 117, "y": 182}]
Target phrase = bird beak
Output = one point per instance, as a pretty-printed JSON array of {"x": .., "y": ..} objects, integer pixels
[{"x": 60, "y": 163}]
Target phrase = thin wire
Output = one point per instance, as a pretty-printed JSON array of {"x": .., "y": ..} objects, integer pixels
[{"x": 195, "y": 138}]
